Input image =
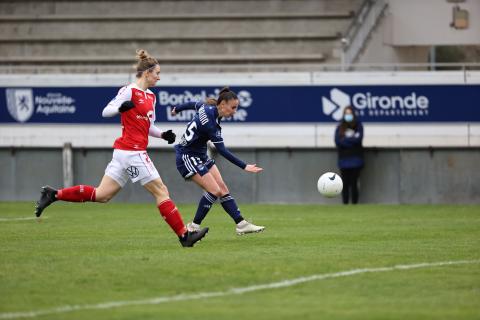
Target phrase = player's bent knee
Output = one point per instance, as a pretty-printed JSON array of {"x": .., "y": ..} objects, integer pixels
[
  {"x": 224, "y": 190},
  {"x": 218, "y": 193}
]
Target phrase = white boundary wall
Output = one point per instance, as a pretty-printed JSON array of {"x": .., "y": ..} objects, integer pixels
[{"x": 291, "y": 135}]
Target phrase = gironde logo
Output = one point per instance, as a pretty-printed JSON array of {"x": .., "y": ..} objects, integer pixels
[
  {"x": 368, "y": 104},
  {"x": 339, "y": 100},
  {"x": 20, "y": 103}
]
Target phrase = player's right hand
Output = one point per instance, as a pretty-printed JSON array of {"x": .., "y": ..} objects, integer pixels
[
  {"x": 127, "y": 105},
  {"x": 253, "y": 168}
]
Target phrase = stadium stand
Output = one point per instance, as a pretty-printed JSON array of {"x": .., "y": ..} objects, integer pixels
[{"x": 98, "y": 36}]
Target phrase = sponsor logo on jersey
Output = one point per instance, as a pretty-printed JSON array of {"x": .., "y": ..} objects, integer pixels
[
  {"x": 366, "y": 103},
  {"x": 147, "y": 117},
  {"x": 23, "y": 103}
]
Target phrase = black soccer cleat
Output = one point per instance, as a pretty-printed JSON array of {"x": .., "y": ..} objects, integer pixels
[
  {"x": 48, "y": 196},
  {"x": 193, "y": 236}
]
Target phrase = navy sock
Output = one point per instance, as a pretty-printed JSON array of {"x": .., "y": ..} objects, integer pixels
[
  {"x": 230, "y": 206},
  {"x": 204, "y": 206}
]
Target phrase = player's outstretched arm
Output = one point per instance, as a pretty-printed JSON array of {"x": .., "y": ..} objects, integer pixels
[
  {"x": 228, "y": 155},
  {"x": 253, "y": 168},
  {"x": 185, "y": 106}
]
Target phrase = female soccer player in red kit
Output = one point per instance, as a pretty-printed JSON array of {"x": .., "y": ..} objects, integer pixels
[{"x": 136, "y": 105}]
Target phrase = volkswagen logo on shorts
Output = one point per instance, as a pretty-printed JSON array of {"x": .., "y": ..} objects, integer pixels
[{"x": 133, "y": 172}]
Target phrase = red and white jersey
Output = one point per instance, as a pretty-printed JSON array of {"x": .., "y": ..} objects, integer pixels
[{"x": 136, "y": 122}]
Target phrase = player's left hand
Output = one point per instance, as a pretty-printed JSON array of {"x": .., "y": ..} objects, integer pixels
[
  {"x": 253, "y": 168},
  {"x": 126, "y": 105},
  {"x": 173, "y": 112},
  {"x": 169, "y": 135}
]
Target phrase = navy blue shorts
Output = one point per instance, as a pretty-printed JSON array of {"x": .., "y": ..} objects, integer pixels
[{"x": 188, "y": 165}]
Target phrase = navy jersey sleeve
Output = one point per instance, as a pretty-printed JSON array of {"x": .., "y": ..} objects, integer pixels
[
  {"x": 215, "y": 136},
  {"x": 193, "y": 105},
  {"x": 220, "y": 146}
]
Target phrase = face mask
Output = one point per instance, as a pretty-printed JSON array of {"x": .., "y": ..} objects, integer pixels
[{"x": 348, "y": 117}]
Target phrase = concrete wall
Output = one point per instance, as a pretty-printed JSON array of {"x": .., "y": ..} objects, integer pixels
[
  {"x": 378, "y": 50},
  {"x": 427, "y": 22},
  {"x": 408, "y": 28},
  {"x": 390, "y": 176}
]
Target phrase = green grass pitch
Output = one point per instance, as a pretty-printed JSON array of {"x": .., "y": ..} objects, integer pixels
[{"x": 121, "y": 256}]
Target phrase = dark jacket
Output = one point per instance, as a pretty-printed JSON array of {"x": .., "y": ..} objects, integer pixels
[{"x": 349, "y": 146}]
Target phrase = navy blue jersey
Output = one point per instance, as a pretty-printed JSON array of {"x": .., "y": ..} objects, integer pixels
[{"x": 204, "y": 127}]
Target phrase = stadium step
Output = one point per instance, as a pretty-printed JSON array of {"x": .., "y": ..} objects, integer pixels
[
  {"x": 97, "y": 35},
  {"x": 167, "y": 7}
]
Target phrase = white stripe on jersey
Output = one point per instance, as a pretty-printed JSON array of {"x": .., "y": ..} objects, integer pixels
[{"x": 202, "y": 115}]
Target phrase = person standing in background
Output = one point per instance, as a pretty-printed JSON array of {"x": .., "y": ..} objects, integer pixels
[{"x": 348, "y": 139}]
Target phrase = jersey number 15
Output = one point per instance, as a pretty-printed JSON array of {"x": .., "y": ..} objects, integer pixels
[{"x": 190, "y": 131}]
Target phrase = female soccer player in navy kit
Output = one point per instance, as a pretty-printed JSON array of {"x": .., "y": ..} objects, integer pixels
[
  {"x": 136, "y": 105},
  {"x": 193, "y": 162}
]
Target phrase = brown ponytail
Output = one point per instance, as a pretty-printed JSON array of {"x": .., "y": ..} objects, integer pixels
[
  {"x": 145, "y": 62},
  {"x": 211, "y": 101}
]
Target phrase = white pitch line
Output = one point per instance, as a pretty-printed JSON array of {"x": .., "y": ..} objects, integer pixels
[
  {"x": 206, "y": 295},
  {"x": 19, "y": 219}
]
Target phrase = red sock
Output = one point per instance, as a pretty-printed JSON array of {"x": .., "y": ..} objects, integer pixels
[
  {"x": 79, "y": 193},
  {"x": 170, "y": 213}
]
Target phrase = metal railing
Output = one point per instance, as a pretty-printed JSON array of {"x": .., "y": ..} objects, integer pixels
[
  {"x": 279, "y": 67},
  {"x": 360, "y": 29},
  {"x": 401, "y": 66}
]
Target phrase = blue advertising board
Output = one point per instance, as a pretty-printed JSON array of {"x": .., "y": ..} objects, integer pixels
[{"x": 271, "y": 104}]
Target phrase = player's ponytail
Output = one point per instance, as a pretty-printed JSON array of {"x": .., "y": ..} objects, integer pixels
[
  {"x": 226, "y": 94},
  {"x": 145, "y": 62},
  {"x": 211, "y": 101}
]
